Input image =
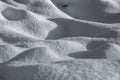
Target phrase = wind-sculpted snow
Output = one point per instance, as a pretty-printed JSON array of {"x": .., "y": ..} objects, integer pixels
[{"x": 59, "y": 40}]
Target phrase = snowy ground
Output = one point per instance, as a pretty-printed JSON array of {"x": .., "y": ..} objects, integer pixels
[{"x": 59, "y": 40}]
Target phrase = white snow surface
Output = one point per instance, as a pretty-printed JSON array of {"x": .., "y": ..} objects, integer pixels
[{"x": 59, "y": 40}]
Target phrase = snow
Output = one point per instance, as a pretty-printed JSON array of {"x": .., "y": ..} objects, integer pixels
[{"x": 59, "y": 40}]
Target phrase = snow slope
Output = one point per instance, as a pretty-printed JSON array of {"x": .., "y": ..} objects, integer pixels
[{"x": 59, "y": 40}]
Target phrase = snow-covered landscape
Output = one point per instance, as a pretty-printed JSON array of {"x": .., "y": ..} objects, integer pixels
[{"x": 59, "y": 39}]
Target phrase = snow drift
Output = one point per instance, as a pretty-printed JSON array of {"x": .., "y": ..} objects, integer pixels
[{"x": 59, "y": 40}]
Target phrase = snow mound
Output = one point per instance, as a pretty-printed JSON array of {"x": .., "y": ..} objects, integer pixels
[
  {"x": 39, "y": 54},
  {"x": 59, "y": 40},
  {"x": 65, "y": 70},
  {"x": 8, "y": 52}
]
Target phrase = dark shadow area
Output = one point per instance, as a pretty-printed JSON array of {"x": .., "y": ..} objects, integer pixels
[
  {"x": 96, "y": 50},
  {"x": 111, "y": 18},
  {"x": 1, "y": 78},
  {"x": 87, "y": 55},
  {"x": 90, "y": 10},
  {"x": 13, "y": 14},
  {"x": 99, "y": 52},
  {"x": 5, "y": 1},
  {"x": 109, "y": 34},
  {"x": 22, "y": 1},
  {"x": 95, "y": 44},
  {"x": 57, "y": 33},
  {"x": 81, "y": 28},
  {"x": 76, "y": 28},
  {"x": 106, "y": 51}
]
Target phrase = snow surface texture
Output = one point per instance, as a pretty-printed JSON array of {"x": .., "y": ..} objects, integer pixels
[{"x": 59, "y": 40}]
